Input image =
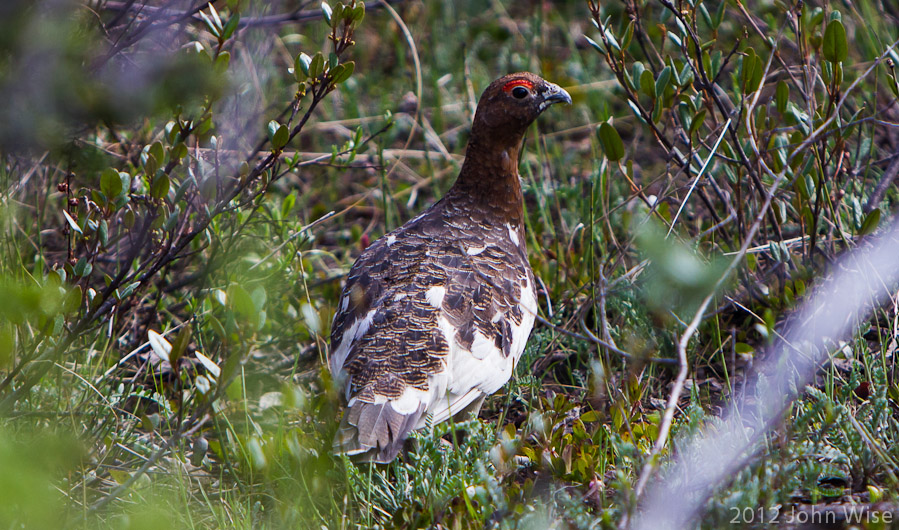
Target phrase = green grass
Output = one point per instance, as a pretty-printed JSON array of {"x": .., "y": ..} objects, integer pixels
[{"x": 236, "y": 257}]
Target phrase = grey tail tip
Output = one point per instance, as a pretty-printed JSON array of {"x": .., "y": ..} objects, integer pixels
[
  {"x": 361, "y": 454},
  {"x": 372, "y": 455},
  {"x": 374, "y": 433},
  {"x": 347, "y": 442}
]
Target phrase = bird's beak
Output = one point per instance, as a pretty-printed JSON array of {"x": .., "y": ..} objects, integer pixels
[{"x": 555, "y": 94}]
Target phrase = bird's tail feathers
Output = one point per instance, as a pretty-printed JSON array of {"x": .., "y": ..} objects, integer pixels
[{"x": 372, "y": 432}]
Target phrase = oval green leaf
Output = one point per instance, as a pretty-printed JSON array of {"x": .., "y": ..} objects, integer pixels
[
  {"x": 834, "y": 46},
  {"x": 870, "y": 223},
  {"x": 648, "y": 84},
  {"x": 317, "y": 66},
  {"x": 611, "y": 142},
  {"x": 110, "y": 183},
  {"x": 282, "y": 135},
  {"x": 782, "y": 96},
  {"x": 301, "y": 65},
  {"x": 347, "y": 70},
  {"x": 160, "y": 187},
  {"x": 663, "y": 80}
]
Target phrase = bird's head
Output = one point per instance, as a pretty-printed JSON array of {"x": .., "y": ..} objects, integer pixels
[{"x": 511, "y": 103}]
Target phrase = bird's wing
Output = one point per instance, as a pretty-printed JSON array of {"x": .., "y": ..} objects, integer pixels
[{"x": 427, "y": 324}]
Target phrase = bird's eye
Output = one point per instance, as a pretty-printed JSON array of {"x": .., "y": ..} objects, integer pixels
[{"x": 520, "y": 92}]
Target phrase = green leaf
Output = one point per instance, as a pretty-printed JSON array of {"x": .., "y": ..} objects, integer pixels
[
  {"x": 628, "y": 35},
  {"x": 590, "y": 416},
  {"x": 636, "y": 73},
  {"x": 757, "y": 72},
  {"x": 657, "y": 111},
  {"x": 706, "y": 17},
  {"x": 595, "y": 44},
  {"x": 647, "y": 84},
  {"x": 798, "y": 117},
  {"x": 126, "y": 292},
  {"x": 778, "y": 148},
  {"x": 835, "y": 47},
  {"x": 317, "y": 66},
  {"x": 83, "y": 267},
  {"x": 782, "y": 96},
  {"x": 326, "y": 12},
  {"x": 761, "y": 115},
  {"x": 171, "y": 131},
  {"x": 685, "y": 113},
  {"x": 801, "y": 189},
  {"x": 211, "y": 25},
  {"x": 719, "y": 14},
  {"x": 751, "y": 71},
  {"x": 336, "y": 72},
  {"x": 288, "y": 204},
  {"x": 675, "y": 75},
  {"x": 71, "y": 222},
  {"x": 149, "y": 162},
  {"x": 179, "y": 151},
  {"x": 110, "y": 183},
  {"x": 179, "y": 345},
  {"x": 159, "y": 344},
  {"x": 686, "y": 75},
  {"x": 157, "y": 151},
  {"x": 160, "y": 186},
  {"x": 242, "y": 303},
  {"x": 118, "y": 475},
  {"x": 663, "y": 80},
  {"x": 222, "y": 62},
  {"x": 231, "y": 26},
  {"x": 103, "y": 232},
  {"x": 837, "y": 81},
  {"x": 609, "y": 36},
  {"x": 611, "y": 142},
  {"x": 870, "y": 223},
  {"x": 343, "y": 72},
  {"x": 280, "y": 138},
  {"x": 697, "y": 121},
  {"x": 714, "y": 63},
  {"x": 302, "y": 64},
  {"x": 259, "y": 297},
  {"x": 337, "y": 14},
  {"x": 208, "y": 364},
  {"x": 743, "y": 348},
  {"x": 72, "y": 299},
  {"x": 215, "y": 15}
]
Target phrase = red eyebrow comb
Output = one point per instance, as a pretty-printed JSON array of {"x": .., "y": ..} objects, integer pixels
[{"x": 518, "y": 82}]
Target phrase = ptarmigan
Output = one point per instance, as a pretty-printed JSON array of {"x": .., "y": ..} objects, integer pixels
[{"x": 435, "y": 314}]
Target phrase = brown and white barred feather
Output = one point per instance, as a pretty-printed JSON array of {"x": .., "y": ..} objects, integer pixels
[{"x": 434, "y": 316}]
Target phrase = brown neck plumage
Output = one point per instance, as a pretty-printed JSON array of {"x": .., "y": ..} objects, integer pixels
[{"x": 489, "y": 178}]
